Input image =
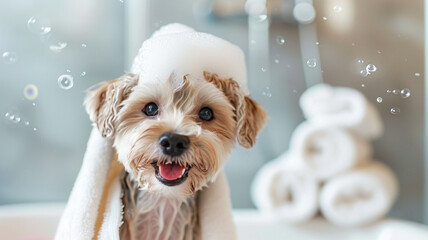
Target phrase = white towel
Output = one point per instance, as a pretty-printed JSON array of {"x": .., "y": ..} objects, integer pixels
[
  {"x": 327, "y": 151},
  {"x": 174, "y": 49},
  {"x": 285, "y": 192},
  {"x": 360, "y": 196},
  {"x": 340, "y": 106}
]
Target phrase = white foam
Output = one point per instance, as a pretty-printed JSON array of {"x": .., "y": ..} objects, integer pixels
[{"x": 178, "y": 49}]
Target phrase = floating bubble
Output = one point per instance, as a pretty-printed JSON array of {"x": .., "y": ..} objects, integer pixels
[
  {"x": 39, "y": 26},
  {"x": 363, "y": 85},
  {"x": 371, "y": 68},
  {"x": 379, "y": 99},
  {"x": 65, "y": 81},
  {"x": 364, "y": 73},
  {"x": 34, "y": 129},
  {"x": 280, "y": 40},
  {"x": 83, "y": 45},
  {"x": 388, "y": 91},
  {"x": 395, "y": 110},
  {"x": 337, "y": 9},
  {"x": 396, "y": 91},
  {"x": 34, "y": 104},
  {"x": 13, "y": 117},
  {"x": 68, "y": 70},
  {"x": 82, "y": 74},
  {"x": 26, "y": 123},
  {"x": 263, "y": 69},
  {"x": 58, "y": 48},
  {"x": 324, "y": 18},
  {"x": 405, "y": 92},
  {"x": 9, "y": 57},
  {"x": 417, "y": 74},
  {"x": 276, "y": 61},
  {"x": 31, "y": 92},
  {"x": 311, "y": 63},
  {"x": 360, "y": 61},
  {"x": 317, "y": 43}
]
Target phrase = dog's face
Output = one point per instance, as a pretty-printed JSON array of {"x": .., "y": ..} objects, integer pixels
[{"x": 173, "y": 137}]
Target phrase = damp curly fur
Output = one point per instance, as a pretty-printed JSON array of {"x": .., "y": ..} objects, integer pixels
[{"x": 116, "y": 108}]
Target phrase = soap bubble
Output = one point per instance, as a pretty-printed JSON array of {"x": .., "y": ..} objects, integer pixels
[
  {"x": 58, "y": 48},
  {"x": 364, "y": 73},
  {"x": 395, "y": 110},
  {"x": 379, "y": 99},
  {"x": 34, "y": 129},
  {"x": 337, "y": 9},
  {"x": 311, "y": 63},
  {"x": 324, "y": 18},
  {"x": 83, "y": 45},
  {"x": 26, "y": 123},
  {"x": 65, "y": 81},
  {"x": 280, "y": 40},
  {"x": 13, "y": 117},
  {"x": 82, "y": 74},
  {"x": 371, "y": 68},
  {"x": 9, "y": 57},
  {"x": 405, "y": 92},
  {"x": 31, "y": 92},
  {"x": 360, "y": 61},
  {"x": 417, "y": 74},
  {"x": 396, "y": 91},
  {"x": 39, "y": 26}
]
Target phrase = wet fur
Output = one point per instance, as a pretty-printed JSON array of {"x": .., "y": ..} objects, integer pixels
[{"x": 116, "y": 108}]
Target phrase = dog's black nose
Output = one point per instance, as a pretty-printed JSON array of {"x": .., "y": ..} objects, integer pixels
[{"x": 174, "y": 144}]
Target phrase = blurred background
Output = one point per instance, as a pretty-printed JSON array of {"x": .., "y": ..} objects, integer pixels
[{"x": 53, "y": 50}]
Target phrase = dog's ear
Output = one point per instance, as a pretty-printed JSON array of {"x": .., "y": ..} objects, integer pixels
[
  {"x": 249, "y": 116},
  {"x": 104, "y": 103}
]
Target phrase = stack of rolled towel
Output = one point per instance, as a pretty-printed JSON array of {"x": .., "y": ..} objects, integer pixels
[{"x": 329, "y": 166}]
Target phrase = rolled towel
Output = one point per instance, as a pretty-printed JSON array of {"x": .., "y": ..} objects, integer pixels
[
  {"x": 360, "y": 196},
  {"x": 340, "y": 106},
  {"x": 327, "y": 151},
  {"x": 285, "y": 192}
]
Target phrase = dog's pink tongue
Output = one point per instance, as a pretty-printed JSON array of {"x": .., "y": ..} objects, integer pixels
[{"x": 170, "y": 171}]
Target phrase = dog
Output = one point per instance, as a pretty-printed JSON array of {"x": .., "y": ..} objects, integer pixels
[{"x": 173, "y": 139}]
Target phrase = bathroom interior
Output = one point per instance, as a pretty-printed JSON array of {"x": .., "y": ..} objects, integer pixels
[{"x": 52, "y": 51}]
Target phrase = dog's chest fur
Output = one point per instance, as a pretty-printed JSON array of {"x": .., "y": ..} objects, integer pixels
[{"x": 150, "y": 217}]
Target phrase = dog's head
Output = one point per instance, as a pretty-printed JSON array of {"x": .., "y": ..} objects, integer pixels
[{"x": 173, "y": 137}]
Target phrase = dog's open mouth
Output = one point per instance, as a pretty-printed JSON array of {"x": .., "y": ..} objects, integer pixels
[{"x": 170, "y": 174}]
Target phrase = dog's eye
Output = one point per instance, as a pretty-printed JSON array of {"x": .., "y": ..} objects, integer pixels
[
  {"x": 151, "y": 109},
  {"x": 206, "y": 114}
]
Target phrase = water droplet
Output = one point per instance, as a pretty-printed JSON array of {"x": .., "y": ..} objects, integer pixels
[
  {"x": 379, "y": 99},
  {"x": 280, "y": 40},
  {"x": 9, "y": 57},
  {"x": 317, "y": 43},
  {"x": 324, "y": 18},
  {"x": 26, "y": 123},
  {"x": 417, "y": 74},
  {"x": 58, "y": 48},
  {"x": 379, "y": 51},
  {"x": 34, "y": 129},
  {"x": 276, "y": 61},
  {"x": 337, "y": 9},
  {"x": 82, "y": 74},
  {"x": 371, "y": 68},
  {"x": 65, "y": 81},
  {"x": 364, "y": 73},
  {"x": 311, "y": 63},
  {"x": 405, "y": 92},
  {"x": 264, "y": 69},
  {"x": 360, "y": 61},
  {"x": 395, "y": 110},
  {"x": 83, "y": 45},
  {"x": 39, "y": 26},
  {"x": 363, "y": 85},
  {"x": 261, "y": 17}
]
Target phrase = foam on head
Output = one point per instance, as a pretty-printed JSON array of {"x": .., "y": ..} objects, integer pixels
[{"x": 178, "y": 49}]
